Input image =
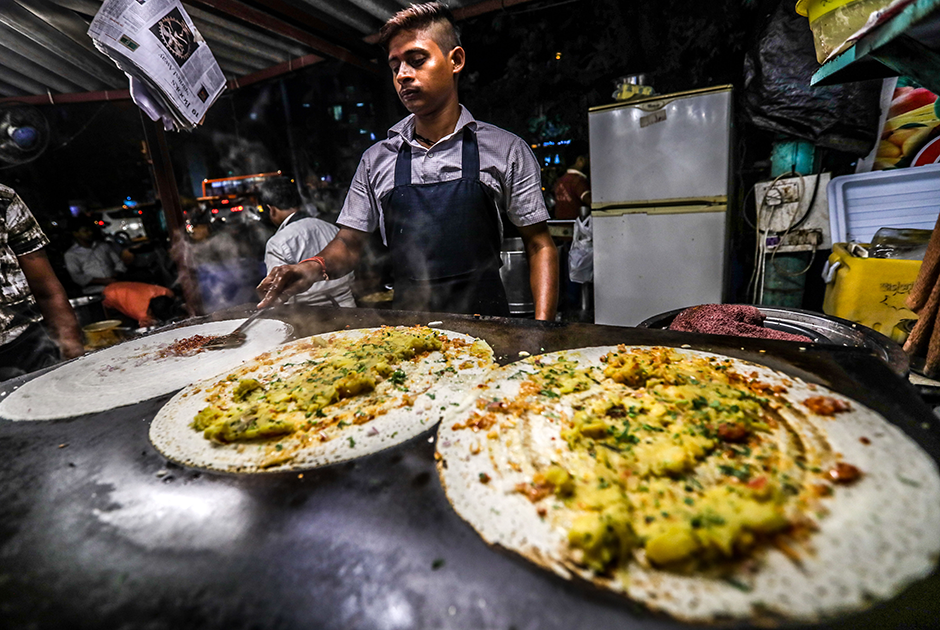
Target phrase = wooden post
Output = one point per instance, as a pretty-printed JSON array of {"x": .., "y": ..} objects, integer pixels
[{"x": 172, "y": 210}]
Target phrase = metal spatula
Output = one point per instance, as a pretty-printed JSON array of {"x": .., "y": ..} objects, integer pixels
[{"x": 235, "y": 338}]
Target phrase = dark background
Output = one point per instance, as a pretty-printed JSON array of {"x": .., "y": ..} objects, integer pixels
[
  {"x": 534, "y": 70},
  {"x": 513, "y": 80}
]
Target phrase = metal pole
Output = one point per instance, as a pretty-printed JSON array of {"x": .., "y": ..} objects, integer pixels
[{"x": 172, "y": 210}]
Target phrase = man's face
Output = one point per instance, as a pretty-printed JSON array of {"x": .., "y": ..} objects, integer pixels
[
  {"x": 84, "y": 234},
  {"x": 422, "y": 73}
]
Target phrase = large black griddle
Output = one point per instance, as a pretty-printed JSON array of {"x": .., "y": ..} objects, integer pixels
[{"x": 99, "y": 531}]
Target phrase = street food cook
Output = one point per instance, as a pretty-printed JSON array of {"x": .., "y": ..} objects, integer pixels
[
  {"x": 699, "y": 485},
  {"x": 322, "y": 399},
  {"x": 438, "y": 190}
]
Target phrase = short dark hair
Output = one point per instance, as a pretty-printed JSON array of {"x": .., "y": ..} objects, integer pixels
[
  {"x": 81, "y": 221},
  {"x": 199, "y": 216},
  {"x": 280, "y": 192},
  {"x": 161, "y": 307},
  {"x": 421, "y": 16}
]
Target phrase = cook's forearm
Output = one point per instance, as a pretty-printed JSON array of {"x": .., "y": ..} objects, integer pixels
[
  {"x": 543, "y": 279},
  {"x": 62, "y": 326},
  {"x": 543, "y": 269},
  {"x": 342, "y": 253},
  {"x": 53, "y": 303}
]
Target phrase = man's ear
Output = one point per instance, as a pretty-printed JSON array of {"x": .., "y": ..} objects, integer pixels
[{"x": 458, "y": 57}]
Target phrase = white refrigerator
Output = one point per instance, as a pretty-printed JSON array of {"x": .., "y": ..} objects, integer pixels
[{"x": 660, "y": 180}]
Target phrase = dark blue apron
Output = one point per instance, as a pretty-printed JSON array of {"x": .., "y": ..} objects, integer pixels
[{"x": 444, "y": 240}]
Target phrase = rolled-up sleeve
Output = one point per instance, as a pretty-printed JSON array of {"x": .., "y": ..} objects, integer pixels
[
  {"x": 361, "y": 208},
  {"x": 25, "y": 235},
  {"x": 522, "y": 192}
]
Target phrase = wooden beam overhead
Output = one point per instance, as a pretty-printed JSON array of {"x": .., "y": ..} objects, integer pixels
[
  {"x": 264, "y": 21},
  {"x": 77, "y": 97},
  {"x": 274, "y": 71},
  {"x": 121, "y": 95}
]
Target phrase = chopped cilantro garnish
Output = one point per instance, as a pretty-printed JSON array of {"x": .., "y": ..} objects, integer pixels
[{"x": 743, "y": 473}]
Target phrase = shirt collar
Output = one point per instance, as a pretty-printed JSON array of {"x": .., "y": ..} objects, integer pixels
[
  {"x": 405, "y": 128},
  {"x": 287, "y": 220},
  {"x": 576, "y": 172}
]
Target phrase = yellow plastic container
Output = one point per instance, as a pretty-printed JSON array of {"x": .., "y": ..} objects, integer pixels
[
  {"x": 870, "y": 291},
  {"x": 834, "y": 21}
]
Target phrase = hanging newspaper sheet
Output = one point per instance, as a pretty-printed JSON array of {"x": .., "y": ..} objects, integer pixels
[{"x": 173, "y": 73}]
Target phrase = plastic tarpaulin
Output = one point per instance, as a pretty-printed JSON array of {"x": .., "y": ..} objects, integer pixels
[{"x": 779, "y": 98}]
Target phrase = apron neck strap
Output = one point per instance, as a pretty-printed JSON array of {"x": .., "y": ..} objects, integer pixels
[
  {"x": 471, "y": 155},
  {"x": 403, "y": 165}
]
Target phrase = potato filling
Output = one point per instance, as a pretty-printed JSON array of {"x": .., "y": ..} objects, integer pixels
[
  {"x": 333, "y": 373},
  {"x": 676, "y": 460}
]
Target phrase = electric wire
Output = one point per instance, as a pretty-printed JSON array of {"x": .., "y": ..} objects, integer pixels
[
  {"x": 761, "y": 248},
  {"x": 792, "y": 226},
  {"x": 757, "y": 274}
]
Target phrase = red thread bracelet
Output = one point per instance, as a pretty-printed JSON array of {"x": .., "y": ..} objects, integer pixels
[{"x": 319, "y": 260}]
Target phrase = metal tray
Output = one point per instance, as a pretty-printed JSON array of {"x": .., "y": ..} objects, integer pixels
[{"x": 98, "y": 531}]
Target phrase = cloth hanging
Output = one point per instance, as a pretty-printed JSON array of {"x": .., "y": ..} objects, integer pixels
[{"x": 924, "y": 299}]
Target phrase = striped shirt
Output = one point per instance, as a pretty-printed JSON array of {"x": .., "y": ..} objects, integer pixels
[
  {"x": 20, "y": 234},
  {"x": 508, "y": 169}
]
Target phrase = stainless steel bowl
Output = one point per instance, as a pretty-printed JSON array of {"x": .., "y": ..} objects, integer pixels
[{"x": 822, "y": 329}]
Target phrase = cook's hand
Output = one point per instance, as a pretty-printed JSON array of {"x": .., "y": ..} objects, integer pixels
[
  {"x": 287, "y": 280},
  {"x": 70, "y": 348}
]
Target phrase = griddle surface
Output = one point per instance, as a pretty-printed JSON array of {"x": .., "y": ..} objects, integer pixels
[{"x": 99, "y": 531}]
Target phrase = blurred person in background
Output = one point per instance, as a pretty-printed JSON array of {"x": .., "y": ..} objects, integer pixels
[
  {"x": 150, "y": 262},
  {"x": 147, "y": 304},
  {"x": 37, "y": 325},
  {"x": 572, "y": 193},
  {"x": 226, "y": 266},
  {"x": 298, "y": 237},
  {"x": 572, "y": 190},
  {"x": 92, "y": 263}
]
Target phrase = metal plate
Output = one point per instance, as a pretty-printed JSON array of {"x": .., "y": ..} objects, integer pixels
[{"x": 98, "y": 531}]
